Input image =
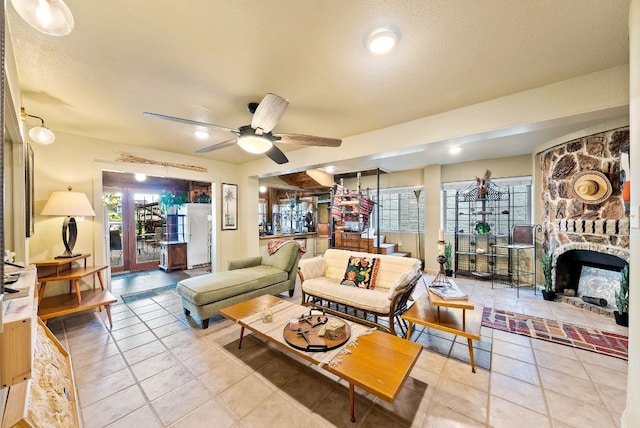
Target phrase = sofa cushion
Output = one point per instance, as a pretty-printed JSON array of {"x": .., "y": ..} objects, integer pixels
[
  {"x": 390, "y": 269},
  {"x": 244, "y": 263},
  {"x": 312, "y": 267},
  {"x": 283, "y": 258},
  {"x": 361, "y": 272},
  {"x": 368, "y": 300},
  {"x": 204, "y": 289}
]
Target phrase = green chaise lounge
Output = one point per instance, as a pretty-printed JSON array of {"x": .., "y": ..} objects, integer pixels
[{"x": 244, "y": 279}]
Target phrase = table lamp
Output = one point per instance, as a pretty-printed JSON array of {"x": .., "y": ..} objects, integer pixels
[{"x": 68, "y": 204}]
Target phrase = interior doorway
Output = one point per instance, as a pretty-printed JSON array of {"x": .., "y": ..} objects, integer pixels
[{"x": 134, "y": 222}]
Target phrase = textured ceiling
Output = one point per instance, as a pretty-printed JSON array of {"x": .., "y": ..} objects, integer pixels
[{"x": 205, "y": 60}]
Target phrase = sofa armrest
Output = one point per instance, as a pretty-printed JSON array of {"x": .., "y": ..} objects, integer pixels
[
  {"x": 244, "y": 263},
  {"x": 313, "y": 267},
  {"x": 404, "y": 280}
]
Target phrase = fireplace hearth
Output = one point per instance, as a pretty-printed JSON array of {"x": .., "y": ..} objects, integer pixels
[
  {"x": 589, "y": 242},
  {"x": 589, "y": 273}
]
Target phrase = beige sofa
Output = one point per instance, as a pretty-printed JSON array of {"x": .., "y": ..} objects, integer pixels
[
  {"x": 244, "y": 279},
  {"x": 397, "y": 277}
]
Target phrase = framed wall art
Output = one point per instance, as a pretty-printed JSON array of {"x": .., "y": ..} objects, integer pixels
[{"x": 229, "y": 206}]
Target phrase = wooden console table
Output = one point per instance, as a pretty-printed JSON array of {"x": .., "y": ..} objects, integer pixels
[
  {"x": 64, "y": 269},
  {"x": 456, "y": 316}
]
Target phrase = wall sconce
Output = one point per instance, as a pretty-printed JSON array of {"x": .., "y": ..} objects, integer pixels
[
  {"x": 51, "y": 17},
  {"x": 69, "y": 204},
  {"x": 40, "y": 134}
]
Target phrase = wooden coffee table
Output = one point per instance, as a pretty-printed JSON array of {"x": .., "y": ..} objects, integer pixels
[
  {"x": 380, "y": 364},
  {"x": 458, "y": 316}
]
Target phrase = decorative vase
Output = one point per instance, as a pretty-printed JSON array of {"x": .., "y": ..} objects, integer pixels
[
  {"x": 621, "y": 318},
  {"x": 549, "y": 295}
]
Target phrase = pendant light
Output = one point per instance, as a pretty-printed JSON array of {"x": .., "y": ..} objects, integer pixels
[{"x": 51, "y": 17}]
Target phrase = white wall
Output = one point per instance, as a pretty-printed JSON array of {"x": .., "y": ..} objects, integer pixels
[
  {"x": 631, "y": 416},
  {"x": 78, "y": 162}
]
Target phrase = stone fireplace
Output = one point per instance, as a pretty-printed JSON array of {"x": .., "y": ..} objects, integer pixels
[{"x": 589, "y": 242}]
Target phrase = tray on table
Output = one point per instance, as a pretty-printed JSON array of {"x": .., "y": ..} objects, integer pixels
[{"x": 311, "y": 325}]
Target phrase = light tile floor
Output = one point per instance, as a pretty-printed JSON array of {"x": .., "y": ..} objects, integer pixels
[{"x": 157, "y": 368}]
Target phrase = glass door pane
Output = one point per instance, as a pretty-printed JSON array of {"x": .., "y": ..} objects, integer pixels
[
  {"x": 113, "y": 202},
  {"x": 148, "y": 228}
]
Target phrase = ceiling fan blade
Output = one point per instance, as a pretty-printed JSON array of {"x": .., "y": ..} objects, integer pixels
[
  {"x": 308, "y": 140},
  {"x": 186, "y": 121},
  {"x": 269, "y": 112},
  {"x": 218, "y": 146},
  {"x": 276, "y": 155}
]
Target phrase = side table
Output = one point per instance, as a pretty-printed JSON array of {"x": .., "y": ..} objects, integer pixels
[
  {"x": 456, "y": 316},
  {"x": 64, "y": 269}
]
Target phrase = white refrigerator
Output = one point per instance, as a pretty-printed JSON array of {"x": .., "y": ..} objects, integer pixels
[{"x": 197, "y": 234}]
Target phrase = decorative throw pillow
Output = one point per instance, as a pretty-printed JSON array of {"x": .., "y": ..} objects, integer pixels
[{"x": 361, "y": 272}]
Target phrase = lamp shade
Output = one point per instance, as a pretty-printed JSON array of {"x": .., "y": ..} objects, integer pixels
[
  {"x": 51, "y": 17},
  {"x": 68, "y": 204}
]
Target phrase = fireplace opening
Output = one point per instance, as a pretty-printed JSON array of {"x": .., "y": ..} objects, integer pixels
[{"x": 589, "y": 273}]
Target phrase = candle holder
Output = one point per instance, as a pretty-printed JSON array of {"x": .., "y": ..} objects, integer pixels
[{"x": 441, "y": 279}]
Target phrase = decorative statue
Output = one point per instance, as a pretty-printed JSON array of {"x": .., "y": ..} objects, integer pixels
[{"x": 482, "y": 184}]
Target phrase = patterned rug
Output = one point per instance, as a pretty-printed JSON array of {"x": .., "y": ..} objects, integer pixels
[{"x": 590, "y": 339}]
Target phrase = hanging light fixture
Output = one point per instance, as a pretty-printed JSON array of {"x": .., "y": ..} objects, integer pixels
[
  {"x": 39, "y": 134},
  {"x": 51, "y": 17},
  {"x": 251, "y": 142}
]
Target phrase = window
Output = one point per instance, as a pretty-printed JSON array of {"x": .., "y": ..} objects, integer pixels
[
  {"x": 521, "y": 210},
  {"x": 400, "y": 210}
]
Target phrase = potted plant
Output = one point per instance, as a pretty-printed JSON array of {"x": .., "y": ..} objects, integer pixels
[
  {"x": 448, "y": 248},
  {"x": 170, "y": 203},
  {"x": 547, "y": 264},
  {"x": 622, "y": 299}
]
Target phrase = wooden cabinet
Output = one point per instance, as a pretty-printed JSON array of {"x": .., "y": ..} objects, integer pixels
[
  {"x": 173, "y": 255},
  {"x": 18, "y": 328}
]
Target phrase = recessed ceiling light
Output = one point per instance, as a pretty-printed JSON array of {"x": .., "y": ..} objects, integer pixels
[
  {"x": 329, "y": 169},
  {"x": 381, "y": 41},
  {"x": 455, "y": 150},
  {"x": 200, "y": 134},
  {"x": 263, "y": 189},
  {"x": 140, "y": 177}
]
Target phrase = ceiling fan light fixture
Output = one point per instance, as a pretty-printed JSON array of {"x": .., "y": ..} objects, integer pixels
[
  {"x": 51, "y": 17},
  {"x": 254, "y": 143},
  {"x": 381, "y": 41}
]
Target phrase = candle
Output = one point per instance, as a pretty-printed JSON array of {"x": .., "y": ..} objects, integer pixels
[
  {"x": 293, "y": 324},
  {"x": 441, "y": 249},
  {"x": 441, "y": 235}
]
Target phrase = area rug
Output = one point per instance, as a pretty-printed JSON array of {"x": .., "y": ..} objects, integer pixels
[
  {"x": 590, "y": 339},
  {"x": 132, "y": 297}
]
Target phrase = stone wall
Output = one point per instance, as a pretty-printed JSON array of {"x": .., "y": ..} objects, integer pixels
[{"x": 570, "y": 224}]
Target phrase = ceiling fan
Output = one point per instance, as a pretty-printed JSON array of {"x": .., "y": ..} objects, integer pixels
[{"x": 257, "y": 137}]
